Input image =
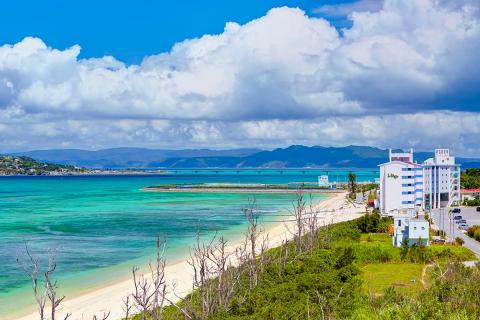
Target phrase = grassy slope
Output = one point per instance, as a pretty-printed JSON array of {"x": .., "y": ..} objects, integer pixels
[
  {"x": 334, "y": 279},
  {"x": 405, "y": 277}
]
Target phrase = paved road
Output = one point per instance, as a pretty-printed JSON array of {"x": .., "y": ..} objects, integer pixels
[{"x": 445, "y": 222}]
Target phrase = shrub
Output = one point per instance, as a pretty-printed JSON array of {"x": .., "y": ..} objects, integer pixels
[
  {"x": 459, "y": 241},
  {"x": 373, "y": 223},
  {"x": 471, "y": 230},
  {"x": 472, "y": 203},
  {"x": 373, "y": 253}
]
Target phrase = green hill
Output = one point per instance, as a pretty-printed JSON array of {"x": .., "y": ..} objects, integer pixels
[{"x": 10, "y": 165}]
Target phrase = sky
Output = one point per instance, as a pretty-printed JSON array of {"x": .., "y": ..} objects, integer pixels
[{"x": 225, "y": 74}]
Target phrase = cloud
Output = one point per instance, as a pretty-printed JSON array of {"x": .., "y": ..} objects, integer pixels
[
  {"x": 423, "y": 131},
  {"x": 283, "y": 78}
]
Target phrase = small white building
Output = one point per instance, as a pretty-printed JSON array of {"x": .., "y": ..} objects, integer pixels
[
  {"x": 410, "y": 230},
  {"x": 323, "y": 181}
]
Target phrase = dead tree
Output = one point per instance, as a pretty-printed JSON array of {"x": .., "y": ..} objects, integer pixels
[
  {"x": 158, "y": 278},
  {"x": 104, "y": 317},
  {"x": 219, "y": 259},
  {"x": 297, "y": 213},
  {"x": 202, "y": 271},
  {"x": 127, "y": 307},
  {"x": 264, "y": 245},
  {"x": 149, "y": 293},
  {"x": 251, "y": 237},
  {"x": 50, "y": 285},
  {"x": 311, "y": 225},
  {"x": 32, "y": 272}
]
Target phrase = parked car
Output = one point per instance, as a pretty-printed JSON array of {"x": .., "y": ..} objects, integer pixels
[
  {"x": 463, "y": 226},
  {"x": 456, "y": 210},
  {"x": 457, "y": 217},
  {"x": 478, "y": 209}
]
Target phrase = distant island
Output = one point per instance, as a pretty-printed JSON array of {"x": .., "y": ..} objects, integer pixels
[
  {"x": 296, "y": 156},
  {"x": 26, "y": 166},
  {"x": 10, "y": 165}
]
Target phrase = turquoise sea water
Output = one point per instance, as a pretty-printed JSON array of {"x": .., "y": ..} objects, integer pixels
[{"x": 102, "y": 225}]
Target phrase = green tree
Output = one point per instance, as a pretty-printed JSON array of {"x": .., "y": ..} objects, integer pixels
[{"x": 352, "y": 180}]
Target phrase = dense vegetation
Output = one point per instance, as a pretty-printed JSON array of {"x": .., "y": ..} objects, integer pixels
[
  {"x": 470, "y": 178},
  {"x": 10, "y": 165},
  {"x": 349, "y": 271},
  {"x": 474, "y": 232}
]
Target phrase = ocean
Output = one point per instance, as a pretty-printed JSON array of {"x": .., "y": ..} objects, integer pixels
[{"x": 103, "y": 225}]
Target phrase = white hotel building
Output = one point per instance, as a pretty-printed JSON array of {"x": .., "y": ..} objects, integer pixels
[{"x": 408, "y": 186}]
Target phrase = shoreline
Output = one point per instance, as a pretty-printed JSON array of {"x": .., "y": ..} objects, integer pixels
[
  {"x": 333, "y": 209},
  {"x": 240, "y": 190}
]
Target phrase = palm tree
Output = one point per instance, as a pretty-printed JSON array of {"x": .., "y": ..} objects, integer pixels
[{"x": 352, "y": 182}]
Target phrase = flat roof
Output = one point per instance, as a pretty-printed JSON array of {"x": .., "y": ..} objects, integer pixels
[{"x": 470, "y": 190}]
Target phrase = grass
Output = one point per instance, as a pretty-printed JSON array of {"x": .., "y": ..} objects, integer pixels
[
  {"x": 450, "y": 252},
  {"x": 379, "y": 276},
  {"x": 376, "y": 238}
]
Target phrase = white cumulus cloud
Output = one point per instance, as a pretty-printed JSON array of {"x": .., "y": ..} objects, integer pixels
[{"x": 283, "y": 78}]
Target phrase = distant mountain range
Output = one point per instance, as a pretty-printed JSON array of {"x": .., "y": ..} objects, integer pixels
[{"x": 296, "y": 156}]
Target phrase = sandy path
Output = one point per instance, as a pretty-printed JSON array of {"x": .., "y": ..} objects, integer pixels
[{"x": 109, "y": 298}]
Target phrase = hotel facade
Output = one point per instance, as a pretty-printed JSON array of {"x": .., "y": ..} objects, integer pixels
[{"x": 409, "y": 186}]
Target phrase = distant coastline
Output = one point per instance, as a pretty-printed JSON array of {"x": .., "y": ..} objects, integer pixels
[{"x": 241, "y": 188}]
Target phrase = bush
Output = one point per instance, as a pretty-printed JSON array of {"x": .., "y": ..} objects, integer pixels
[
  {"x": 471, "y": 230},
  {"x": 459, "y": 241},
  {"x": 373, "y": 253},
  {"x": 472, "y": 203},
  {"x": 449, "y": 252},
  {"x": 373, "y": 223}
]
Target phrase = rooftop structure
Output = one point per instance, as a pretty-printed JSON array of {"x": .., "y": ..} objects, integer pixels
[{"x": 400, "y": 156}]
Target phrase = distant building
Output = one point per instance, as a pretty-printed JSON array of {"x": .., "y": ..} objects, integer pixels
[
  {"x": 323, "y": 181},
  {"x": 410, "y": 230},
  {"x": 442, "y": 180},
  {"x": 469, "y": 194},
  {"x": 401, "y": 183},
  {"x": 405, "y": 184}
]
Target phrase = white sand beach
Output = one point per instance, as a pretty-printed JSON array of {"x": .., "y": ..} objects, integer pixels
[{"x": 109, "y": 299}]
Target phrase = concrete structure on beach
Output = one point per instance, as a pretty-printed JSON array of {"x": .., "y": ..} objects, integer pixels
[{"x": 408, "y": 185}]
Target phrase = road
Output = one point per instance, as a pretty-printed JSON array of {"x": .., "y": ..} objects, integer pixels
[{"x": 444, "y": 221}]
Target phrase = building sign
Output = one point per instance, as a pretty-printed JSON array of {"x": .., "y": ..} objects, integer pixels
[{"x": 391, "y": 175}]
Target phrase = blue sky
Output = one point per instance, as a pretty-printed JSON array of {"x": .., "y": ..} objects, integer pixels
[
  {"x": 129, "y": 30},
  {"x": 224, "y": 74}
]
